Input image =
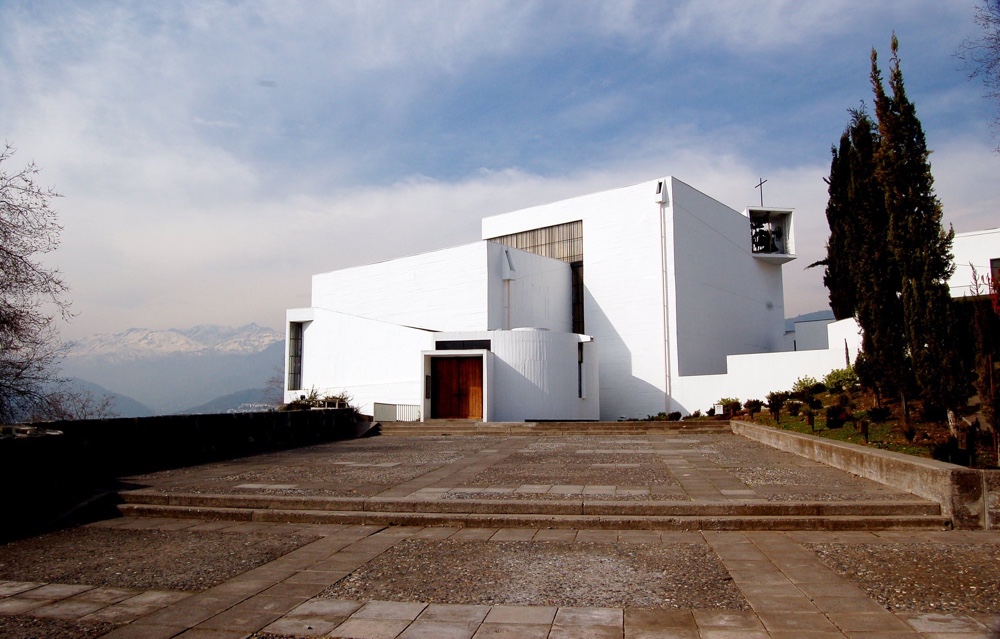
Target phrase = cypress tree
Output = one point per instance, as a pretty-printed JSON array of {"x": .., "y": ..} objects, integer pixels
[
  {"x": 837, "y": 274},
  {"x": 882, "y": 364},
  {"x": 919, "y": 244}
]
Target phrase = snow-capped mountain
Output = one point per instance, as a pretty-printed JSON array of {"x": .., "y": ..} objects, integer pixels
[
  {"x": 143, "y": 343},
  {"x": 172, "y": 370}
]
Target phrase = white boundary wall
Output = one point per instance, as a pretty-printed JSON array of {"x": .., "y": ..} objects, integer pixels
[
  {"x": 754, "y": 376},
  {"x": 976, "y": 248}
]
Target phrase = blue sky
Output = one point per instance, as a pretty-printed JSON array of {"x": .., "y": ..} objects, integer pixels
[{"x": 214, "y": 155}]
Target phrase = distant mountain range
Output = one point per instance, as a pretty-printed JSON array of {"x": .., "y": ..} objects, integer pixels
[{"x": 176, "y": 371}]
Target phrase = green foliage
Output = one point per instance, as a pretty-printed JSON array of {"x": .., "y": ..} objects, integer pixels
[
  {"x": 836, "y": 416},
  {"x": 840, "y": 214},
  {"x": 730, "y": 405},
  {"x": 840, "y": 380},
  {"x": 775, "y": 402},
  {"x": 753, "y": 406},
  {"x": 889, "y": 258},
  {"x": 879, "y": 414},
  {"x": 920, "y": 245},
  {"x": 804, "y": 385},
  {"x": 313, "y": 400},
  {"x": 794, "y": 408},
  {"x": 986, "y": 291}
]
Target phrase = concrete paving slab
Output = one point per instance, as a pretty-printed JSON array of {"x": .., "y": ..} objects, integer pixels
[
  {"x": 304, "y": 626},
  {"x": 464, "y": 613},
  {"x": 389, "y": 610},
  {"x": 140, "y": 630},
  {"x": 521, "y": 615},
  {"x": 370, "y": 628},
  {"x": 942, "y": 623},
  {"x": 726, "y": 620},
  {"x": 439, "y": 630},
  {"x": 240, "y": 618},
  {"x": 589, "y": 617},
  {"x": 17, "y": 606},
  {"x": 555, "y": 534},
  {"x": 805, "y": 623},
  {"x": 883, "y": 621},
  {"x": 512, "y": 631},
  {"x": 54, "y": 591},
  {"x": 68, "y": 609},
  {"x": 8, "y": 588}
]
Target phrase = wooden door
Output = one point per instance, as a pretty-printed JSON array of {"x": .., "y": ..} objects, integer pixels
[{"x": 457, "y": 388}]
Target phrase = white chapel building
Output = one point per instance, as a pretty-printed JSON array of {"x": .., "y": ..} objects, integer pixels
[{"x": 618, "y": 304}]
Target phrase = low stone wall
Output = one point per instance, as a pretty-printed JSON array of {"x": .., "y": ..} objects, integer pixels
[
  {"x": 43, "y": 477},
  {"x": 970, "y": 497}
]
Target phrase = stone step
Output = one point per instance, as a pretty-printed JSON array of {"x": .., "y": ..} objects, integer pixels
[
  {"x": 468, "y": 427},
  {"x": 526, "y": 520},
  {"x": 563, "y": 506}
]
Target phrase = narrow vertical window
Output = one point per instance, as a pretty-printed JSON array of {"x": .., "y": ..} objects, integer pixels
[
  {"x": 579, "y": 370},
  {"x": 576, "y": 270},
  {"x": 295, "y": 356}
]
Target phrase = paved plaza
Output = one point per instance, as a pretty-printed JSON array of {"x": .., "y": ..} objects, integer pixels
[{"x": 315, "y": 542}]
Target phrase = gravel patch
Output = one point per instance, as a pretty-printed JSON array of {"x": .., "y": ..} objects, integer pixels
[
  {"x": 333, "y": 473},
  {"x": 23, "y": 627},
  {"x": 524, "y": 573},
  {"x": 569, "y": 473},
  {"x": 831, "y": 496},
  {"x": 367, "y": 490},
  {"x": 921, "y": 577},
  {"x": 565, "y": 496},
  {"x": 141, "y": 559}
]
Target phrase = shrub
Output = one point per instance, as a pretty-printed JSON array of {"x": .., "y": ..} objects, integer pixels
[
  {"x": 804, "y": 385},
  {"x": 753, "y": 406},
  {"x": 840, "y": 380},
  {"x": 807, "y": 386},
  {"x": 810, "y": 416},
  {"x": 879, "y": 414},
  {"x": 794, "y": 407},
  {"x": 730, "y": 405},
  {"x": 836, "y": 416},
  {"x": 710, "y": 412},
  {"x": 674, "y": 416},
  {"x": 314, "y": 400},
  {"x": 694, "y": 415},
  {"x": 775, "y": 401}
]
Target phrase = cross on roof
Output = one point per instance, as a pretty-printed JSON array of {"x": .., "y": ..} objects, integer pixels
[{"x": 760, "y": 185}]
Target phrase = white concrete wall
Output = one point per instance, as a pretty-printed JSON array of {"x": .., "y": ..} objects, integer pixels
[
  {"x": 725, "y": 301},
  {"x": 623, "y": 299},
  {"x": 533, "y": 375},
  {"x": 754, "y": 376},
  {"x": 719, "y": 299},
  {"x": 372, "y": 361},
  {"x": 976, "y": 248},
  {"x": 537, "y": 292},
  {"x": 442, "y": 290}
]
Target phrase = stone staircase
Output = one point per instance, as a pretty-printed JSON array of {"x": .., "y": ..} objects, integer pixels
[
  {"x": 563, "y": 513},
  {"x": 579, "y": 511},
  {"x": 472, "y": 427}
]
